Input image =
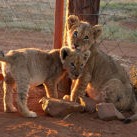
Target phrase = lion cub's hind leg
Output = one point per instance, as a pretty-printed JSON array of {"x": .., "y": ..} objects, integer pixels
[
  {"x": 134, "y": 109},
  {"x": 114, "y": 91},
  {"x": 7, "y": 98},
  {"x": 22, "y": 88}
]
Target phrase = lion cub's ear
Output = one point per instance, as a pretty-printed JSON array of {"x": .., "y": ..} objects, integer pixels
[
  {"x": 97, "y": 31},
  {"x": 86, "y": 55},
  {"x": 72, "y": 20},
  {"x": 64, "y": 52}
]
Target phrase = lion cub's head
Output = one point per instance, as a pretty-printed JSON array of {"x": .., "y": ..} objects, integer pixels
[
  {"x": 81, "y": 35},
  {"x": 73, "y": 61}
]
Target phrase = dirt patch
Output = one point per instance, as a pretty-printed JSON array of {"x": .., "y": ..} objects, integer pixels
[
  {"x": 129, "y": 25},
  {"x": 15, "y": 39},
  {"x": 75, "y": 125}
]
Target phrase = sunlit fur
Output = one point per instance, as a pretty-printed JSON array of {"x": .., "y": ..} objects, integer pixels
[{"x": 86, "y": 34}]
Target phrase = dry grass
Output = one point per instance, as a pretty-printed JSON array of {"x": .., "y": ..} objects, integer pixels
[{"x": 125, "y": 1}]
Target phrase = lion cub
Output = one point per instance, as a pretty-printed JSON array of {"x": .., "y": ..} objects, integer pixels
[
  {"x": 108, "y": 79},
  {"x": 30, "y": 66},
  {"x": 81, "y": 35}
]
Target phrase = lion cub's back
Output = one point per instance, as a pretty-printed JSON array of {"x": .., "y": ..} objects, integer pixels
[
  {"x": 27, "y": 56},
  {"x": 30, "y": 61}
]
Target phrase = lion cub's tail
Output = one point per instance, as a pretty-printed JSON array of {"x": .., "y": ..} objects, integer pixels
[{"x": 2, "y": 57}]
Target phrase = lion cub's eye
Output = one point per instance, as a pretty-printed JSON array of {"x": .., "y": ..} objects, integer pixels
[
  {"x": 82, "y": 65},
  {"x": 72, "y": 65},
  {"x": 75, "y": 33},
  {"x": 86, "y": 38}
]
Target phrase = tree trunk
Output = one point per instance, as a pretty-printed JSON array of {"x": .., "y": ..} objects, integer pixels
[{"x": 86, "y": 10}]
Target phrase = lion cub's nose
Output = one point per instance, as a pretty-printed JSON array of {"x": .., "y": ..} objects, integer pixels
[
  {"x": 76, "y": 75},
  {"x": 76, "y": 46}
]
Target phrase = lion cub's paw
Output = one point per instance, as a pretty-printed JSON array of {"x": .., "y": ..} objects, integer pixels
[
  {"x": 66, "y": 97},
  {"x": 10, "y": 109},
  {"x": 31, "y": 114}
]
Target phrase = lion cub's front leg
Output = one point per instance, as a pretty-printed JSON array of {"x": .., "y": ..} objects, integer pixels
[
  {"x": 22, "y": 88},
  {"x": 79, "y": 87},
  {"x": 51, "y": 88}
]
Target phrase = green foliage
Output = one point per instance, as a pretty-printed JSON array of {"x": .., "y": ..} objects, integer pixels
[
  {"x": 129, "y": 9},
  {"x": 114, "y": 31},
  {"x": 116, "y": 14}
]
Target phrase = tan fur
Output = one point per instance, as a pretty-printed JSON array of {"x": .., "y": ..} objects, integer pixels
[
  {"x": 108, "y": 79},
  {"x": 81, "y": 35},
  {"x": 26, "y": 67}
]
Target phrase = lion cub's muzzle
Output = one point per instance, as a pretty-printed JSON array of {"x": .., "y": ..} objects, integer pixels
[
  {"x": 80, "y": 47},
  {"x": 75, "y": 76},
  {"x": 76, "y": 46}
]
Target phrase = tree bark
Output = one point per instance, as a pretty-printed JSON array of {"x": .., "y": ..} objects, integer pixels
[{"x": 86, "y": 10}]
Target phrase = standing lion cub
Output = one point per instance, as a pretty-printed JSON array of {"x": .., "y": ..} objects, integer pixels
[
  {"x": 30, "y": 66},
  {"x": 108, "y": 79}
]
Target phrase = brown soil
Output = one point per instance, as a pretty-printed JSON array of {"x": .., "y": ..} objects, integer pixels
[
  {"x": 75, "y": 125},
  {"x": 130, "y": 25}
]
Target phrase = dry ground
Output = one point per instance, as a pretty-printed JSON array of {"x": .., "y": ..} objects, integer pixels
[{"x": 76, "y": 125}]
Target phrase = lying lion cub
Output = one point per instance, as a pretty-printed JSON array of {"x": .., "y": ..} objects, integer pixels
[
  {"x": 25, "y": 67},
  {"x": 108, "y": 79}
]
